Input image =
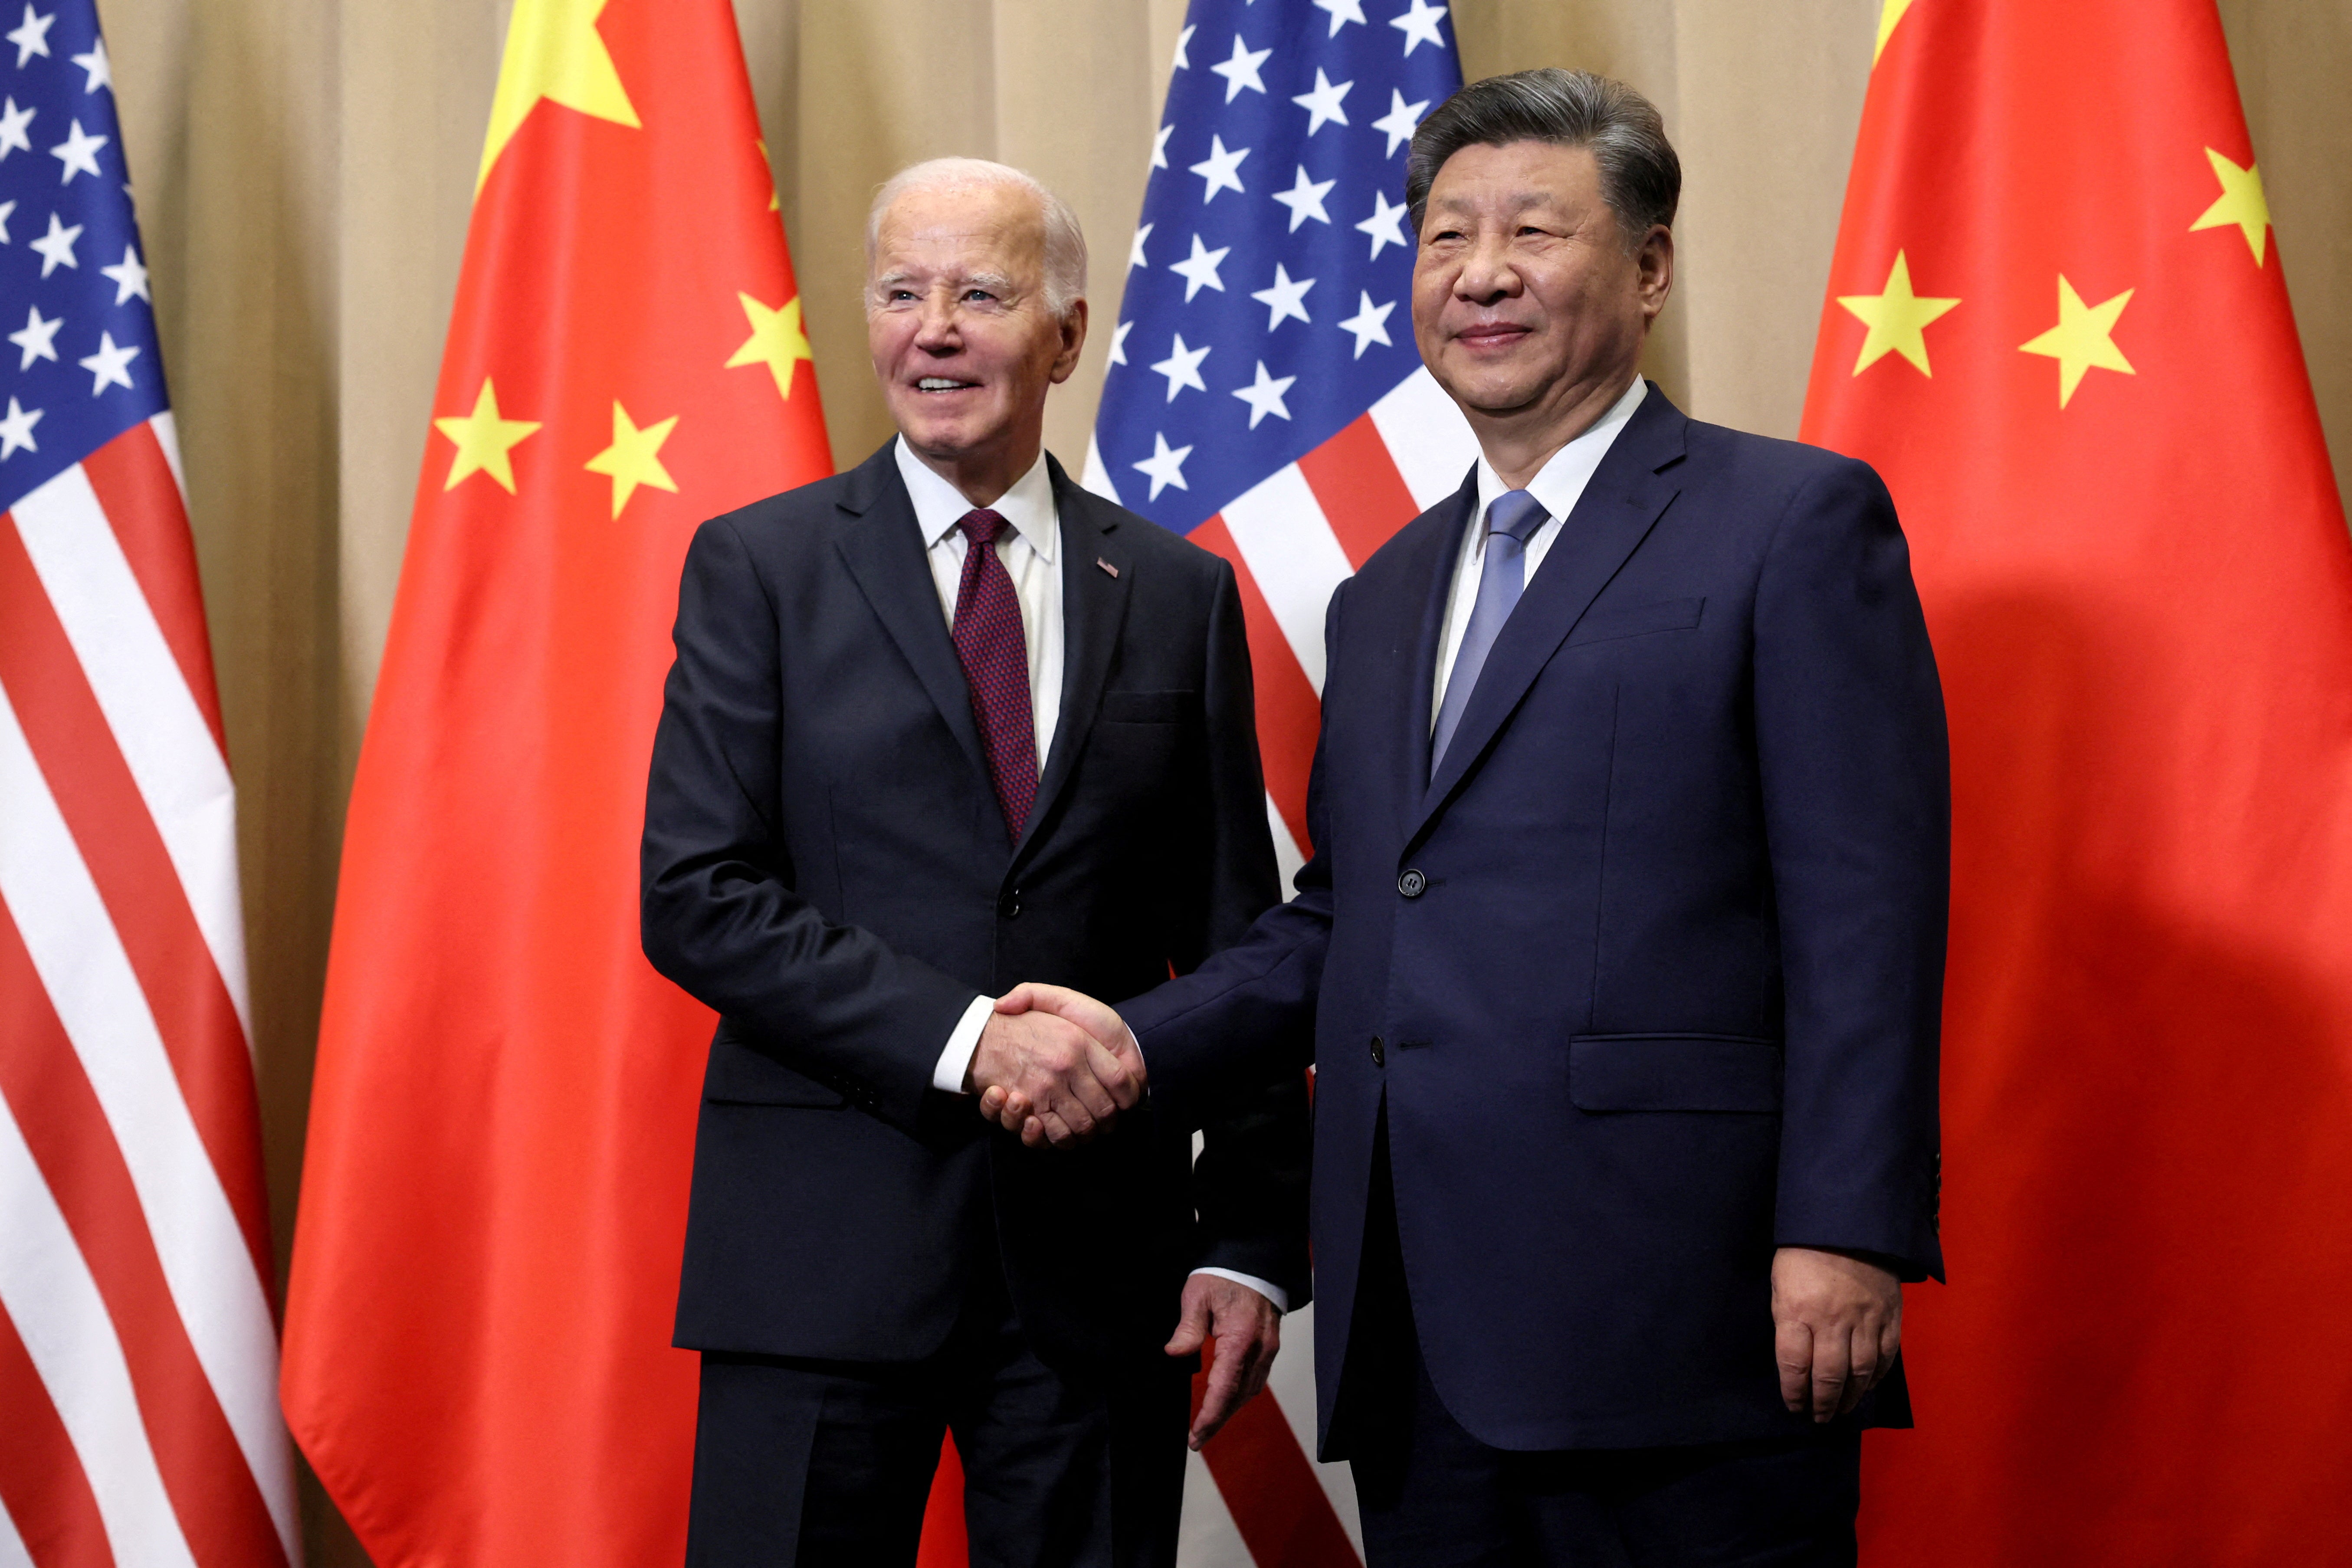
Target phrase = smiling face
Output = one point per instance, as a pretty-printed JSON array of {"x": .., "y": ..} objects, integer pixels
[
  {"x": 1526, "y": 305},
  {"x": 962, "y": 341}
]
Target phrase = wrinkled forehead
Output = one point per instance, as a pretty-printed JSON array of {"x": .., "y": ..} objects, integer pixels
[{"x": 966, "y": 230}]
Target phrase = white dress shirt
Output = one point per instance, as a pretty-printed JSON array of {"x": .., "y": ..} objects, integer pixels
[
  {"x": 1030, "y": 548},
  {"x": 1558, "y": 486}
]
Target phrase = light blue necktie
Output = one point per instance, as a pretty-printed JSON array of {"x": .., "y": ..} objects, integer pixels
[{"x": 1510, "y": 522}]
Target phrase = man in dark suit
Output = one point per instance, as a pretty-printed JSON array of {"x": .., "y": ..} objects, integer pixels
[
  {"x": 936, "y": 723},
  {"x": 1619, "y": 955}
]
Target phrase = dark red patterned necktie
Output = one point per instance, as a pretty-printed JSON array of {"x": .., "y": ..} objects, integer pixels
[{"x": 995, "y": 653}]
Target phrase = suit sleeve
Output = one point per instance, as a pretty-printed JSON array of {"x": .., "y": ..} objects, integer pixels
[
  {"x": 1857, "y": 809},
  {"x": 718, "y": 911},
  {"x": 1248, "y": 1016},
  {"x": 1249, "y": 1183}
]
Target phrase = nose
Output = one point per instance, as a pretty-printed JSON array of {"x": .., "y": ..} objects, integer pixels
[
  {"x": 1486, "y": 274},
  {"x": 935, "y": 324}
]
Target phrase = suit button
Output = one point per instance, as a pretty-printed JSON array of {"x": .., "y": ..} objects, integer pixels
[
  {"x": 1411, "y": 884},
  {"x": 1009, "y": 906},
  {"x": 1379, "y": 1054}
]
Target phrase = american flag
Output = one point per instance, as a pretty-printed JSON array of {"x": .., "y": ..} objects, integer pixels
[
  {"x": 1265, "y": 399},
  {"x": 137, "y": 1355}
]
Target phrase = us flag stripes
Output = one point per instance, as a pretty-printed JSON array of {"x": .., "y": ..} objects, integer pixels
[
  {"x": 1265, "y": 398},
  {"x": 138, "y": 1353}
]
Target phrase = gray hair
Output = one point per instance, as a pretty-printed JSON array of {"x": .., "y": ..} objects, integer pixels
[
  {"x": 1641, "y": 177},
  {"x": 1066, "y": 243}
]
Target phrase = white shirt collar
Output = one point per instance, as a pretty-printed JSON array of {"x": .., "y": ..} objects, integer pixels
[
  {"x": 1561, "y": 482},
  {"x": 1028, "y": 506}
]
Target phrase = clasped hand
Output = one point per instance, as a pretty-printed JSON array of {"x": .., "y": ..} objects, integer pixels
[{"x": 1056, "y": 1066}]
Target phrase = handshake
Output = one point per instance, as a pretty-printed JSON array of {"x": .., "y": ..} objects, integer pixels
[{"x": 1055, "y": 1066}]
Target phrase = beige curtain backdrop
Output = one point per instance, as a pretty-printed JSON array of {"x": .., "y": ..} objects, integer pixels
[{"x": 304, "y": 169}]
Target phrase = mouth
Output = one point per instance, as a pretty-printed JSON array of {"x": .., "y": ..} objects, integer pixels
[
  {"x": 1491, "y": 334},
  {"x": 939, "y": 383}
]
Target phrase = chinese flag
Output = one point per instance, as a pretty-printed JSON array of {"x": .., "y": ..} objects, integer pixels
[
  {"x": 478, "y": 1359},
  {"x": 2058, "y": 326}
]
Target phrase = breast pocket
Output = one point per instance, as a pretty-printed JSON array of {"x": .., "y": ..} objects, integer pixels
[
  {"x": 1638, "y": 620},
  {"x": 1149, "y": 707},
  {"x": 1674, "y": 1072}
]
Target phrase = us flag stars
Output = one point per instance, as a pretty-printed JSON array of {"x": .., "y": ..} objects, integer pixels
[
  {"x": 80, "y": 311},
  {"x": 1199, "y": 271},
  {"x": 1182, "y": 368},
  {"x": 31, "y": 36},
  {"x": 1323, "y": 104},
  {"x": 1277, "y": 181},
  {"x": 1221, "y": 169},
  {"x": 1284, "y": 299}
]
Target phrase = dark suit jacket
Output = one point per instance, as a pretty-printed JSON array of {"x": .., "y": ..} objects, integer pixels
[
  {"x": 1648, "y": 974},
  {"x": 825, "y": 863}
]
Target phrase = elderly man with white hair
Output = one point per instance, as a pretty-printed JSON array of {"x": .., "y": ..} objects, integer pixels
[{"x": 935, "y": 725}]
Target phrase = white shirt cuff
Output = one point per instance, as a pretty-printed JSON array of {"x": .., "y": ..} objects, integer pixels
[
  {"x": 955, "y": 1060},
  {"x": 1272, "y": 1292}
]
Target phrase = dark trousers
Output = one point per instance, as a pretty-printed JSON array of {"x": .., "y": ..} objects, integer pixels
[
  {"x": 1433, "y": 1496},
  {"x": 811, "y": 1464}
]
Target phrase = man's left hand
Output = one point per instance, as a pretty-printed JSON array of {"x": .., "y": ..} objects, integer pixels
[
  {"x": 1837, "y": 1321},
  {"x": 1246, "y": 1332}
]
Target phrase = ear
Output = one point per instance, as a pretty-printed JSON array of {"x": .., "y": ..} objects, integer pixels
[
  {"x": 1073, "y": 330},
  {"x": 1653, "y": 270}
]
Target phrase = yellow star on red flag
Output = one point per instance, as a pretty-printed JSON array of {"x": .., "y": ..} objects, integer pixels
[
  {"x": 484, "y": 440},
  {"x": 2084, "y": 339},
  {"x": 634, "y": 458},
  {"x": 776, "y": 341},
  {"x": 1897, "y": 319},
  {"x": 1889, "y": 14},
  {"x": 2242, "y": 202},
  {"x": 553, "y": 52}
]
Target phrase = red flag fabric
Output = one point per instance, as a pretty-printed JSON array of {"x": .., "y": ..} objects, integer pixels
[
  {"x": 477, "y": 1357},
  {"x": 2057, "y": 326}
]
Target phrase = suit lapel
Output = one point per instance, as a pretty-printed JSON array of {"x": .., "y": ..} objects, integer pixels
[
  {"x": 1430, "y": 567},
  {"x": 882, "y": 545},
  {"x": 1094, "y": 609},
  {"x": 1628, "y": 494}
]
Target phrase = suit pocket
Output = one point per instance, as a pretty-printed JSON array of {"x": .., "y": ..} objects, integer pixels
[
  {"x": 1149, "y": 707},
  {"x": 1638, "y": 620},
  {"x": 740, "y": 1075},
  {"x": 1674, "y": 1072}
]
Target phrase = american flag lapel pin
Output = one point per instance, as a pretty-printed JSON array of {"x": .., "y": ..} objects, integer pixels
[{"x": 1105, "y": 565}]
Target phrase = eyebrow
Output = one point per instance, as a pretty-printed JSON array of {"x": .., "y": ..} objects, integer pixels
[{"x": 994, "y": 281}]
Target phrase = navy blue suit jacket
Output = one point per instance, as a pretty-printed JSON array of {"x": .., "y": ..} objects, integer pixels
[
  {"x": 1648, "y": 974},
  {"x": 825, "y": 863}
]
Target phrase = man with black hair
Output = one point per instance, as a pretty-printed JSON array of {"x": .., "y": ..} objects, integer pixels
[{"x": 1621, "y": 956}]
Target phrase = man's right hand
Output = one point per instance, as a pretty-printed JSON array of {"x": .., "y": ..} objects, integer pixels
[{"x": 1069, "y": 1083}]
